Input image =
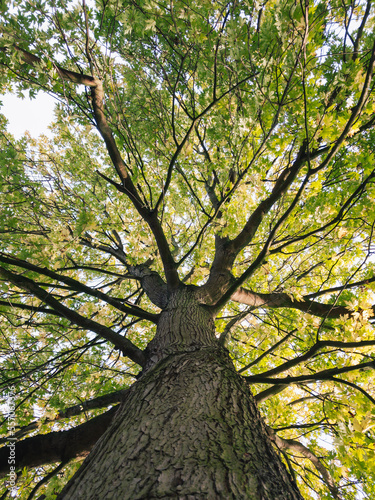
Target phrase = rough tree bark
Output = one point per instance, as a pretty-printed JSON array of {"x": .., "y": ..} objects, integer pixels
[{"x": 188, "y": 428}]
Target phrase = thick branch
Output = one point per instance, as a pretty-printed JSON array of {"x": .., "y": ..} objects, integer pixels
[
  {"x": 133, "y": 310},
  {"x": 291, "y": 444},
  {"x": 235, "y": 284},
  {"x": 283, "y": 300},
  {"x": 25, "y": 307},
  {"x": 281, "y": 186},
  {"x": 97, "y": 93},
  {"x": 98, "y": 96},
  {"x": 272, "y": 391},
  {"x": 341, "y": 288},
  {"x": 323, "y": 375},
  {"x": 150, "y": 217},
  {"x": 122, "y": 343},
  {"x": 65, "y": 74},
  {"x": 321, "y": 344},
  {"x": 154, "y": 287},
  {"x": 268, "y": 393},
  {"x": 57, "y": 446},
  {"x": 228, "y": 250},
  {"x": 356, "y": 387},
  {"x": 90, "y": 404},
  {"x": 169, "y": 265}
]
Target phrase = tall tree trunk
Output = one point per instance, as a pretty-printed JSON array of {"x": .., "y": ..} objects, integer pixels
[{"x": 188, "y": 429}]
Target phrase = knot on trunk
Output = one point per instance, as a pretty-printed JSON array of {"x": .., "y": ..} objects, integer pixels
[{"x": 153, "y": 285}]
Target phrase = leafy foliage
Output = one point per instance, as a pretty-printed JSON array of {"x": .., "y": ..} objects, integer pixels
[{"x": 236, "y": 122}]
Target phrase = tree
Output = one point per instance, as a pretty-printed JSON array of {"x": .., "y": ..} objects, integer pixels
[{"x": 199, "y": 224}]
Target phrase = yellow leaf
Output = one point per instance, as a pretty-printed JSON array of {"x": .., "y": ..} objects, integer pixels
[
  {"x": 356, "y": 425},
  {"x": 353, "y": 131}
]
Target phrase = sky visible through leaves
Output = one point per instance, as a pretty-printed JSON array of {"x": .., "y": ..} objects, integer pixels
[
  {"x": 210, "y": 123},
  {"x": 32, "y": 115}
]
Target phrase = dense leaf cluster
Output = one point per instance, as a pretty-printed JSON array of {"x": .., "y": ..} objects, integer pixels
[{"x": 196, "y": 139}]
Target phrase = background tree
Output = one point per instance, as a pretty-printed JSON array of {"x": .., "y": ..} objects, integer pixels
[{"x": 211, "y": 162}]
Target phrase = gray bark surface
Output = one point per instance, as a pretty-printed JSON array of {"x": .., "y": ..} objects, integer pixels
[{"x": 188, "y": 428}]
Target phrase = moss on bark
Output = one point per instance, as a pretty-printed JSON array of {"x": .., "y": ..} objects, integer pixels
[{"x": 189, "y": 427}]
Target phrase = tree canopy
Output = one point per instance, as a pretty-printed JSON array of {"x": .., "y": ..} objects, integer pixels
[{"x": 223, "y": 145}]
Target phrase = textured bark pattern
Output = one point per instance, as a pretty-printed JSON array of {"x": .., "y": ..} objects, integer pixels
[
  {"x": 58, "y": 446},
  {"x": 188, "y": 428},
  {"x": 184, "y": 325}
]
